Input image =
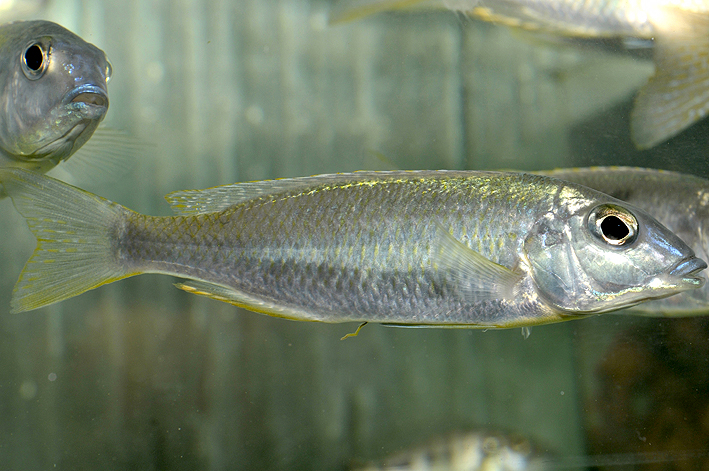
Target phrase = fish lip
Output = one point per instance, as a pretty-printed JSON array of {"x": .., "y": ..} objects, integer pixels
[
  {"x": 688, "y": 267},
  {"x": 687, "y": 271},
  {"x": 90, "y": 95}
]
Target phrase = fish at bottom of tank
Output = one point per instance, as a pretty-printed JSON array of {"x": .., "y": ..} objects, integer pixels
[
  {"x": 419, "y": 248},
  {"x": 476, "y": 450}
]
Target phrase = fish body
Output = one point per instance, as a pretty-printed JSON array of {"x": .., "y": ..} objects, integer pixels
[
  {"x": 53, "y": 93},
  {"x": 674, "y": 98},
  {"x": 476, "y": 450},
  {"x": 446, "y": 248},
  {"x": 679, "y": 201}
]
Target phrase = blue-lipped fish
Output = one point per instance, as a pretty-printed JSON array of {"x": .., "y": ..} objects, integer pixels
[
  {"x": 431, "y": 248},
  {"x": 674, "y": 98},
  {"x": 679, "y": 201},
  {"x": 53, "y": 93}
]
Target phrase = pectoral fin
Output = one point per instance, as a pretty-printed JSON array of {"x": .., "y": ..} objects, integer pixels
[
  {"x": 107, "y": 156},
  {"x": 678, "y": 94},
  {"x": 475, "y": 277}
]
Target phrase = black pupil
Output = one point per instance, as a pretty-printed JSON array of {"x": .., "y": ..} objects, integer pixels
[
  {"x": 34, "y": 57},
  {"x": 613, "y": 228}
]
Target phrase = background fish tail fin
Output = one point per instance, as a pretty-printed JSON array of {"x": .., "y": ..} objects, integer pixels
[
  {"x": 73, "y": 229},
  {"x": 678, "y": 94}
]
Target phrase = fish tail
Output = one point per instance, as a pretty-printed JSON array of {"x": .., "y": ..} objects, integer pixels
[
  {"x": 677, "y": 95},
  {"x": 74, "y": 239}
]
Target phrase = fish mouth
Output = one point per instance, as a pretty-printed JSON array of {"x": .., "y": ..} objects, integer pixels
[
  {"x": 687, "y": 270},
  {"x": 88, "y": 94}
]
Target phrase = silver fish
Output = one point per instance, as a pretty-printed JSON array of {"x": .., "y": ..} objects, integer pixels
[
  {"x": 445, "y": 248},
  {"x": 679, "y": 201},
  {"x": 53, "y": 93},
  {"x": 674, "y": 98},
  {"x": 468, "y": 451}
]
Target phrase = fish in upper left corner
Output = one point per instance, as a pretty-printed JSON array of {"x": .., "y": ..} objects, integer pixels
[
  {"x": 53, "y": 94},
  {"x": 674, "y": 98}
]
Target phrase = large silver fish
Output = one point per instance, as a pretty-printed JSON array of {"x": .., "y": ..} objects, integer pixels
[
  {"x": 675, "y": 97},
  {"x": 447, "y": 248},
  {"x": 52, "y": 93},
  {"x": 678, "y": 201}
]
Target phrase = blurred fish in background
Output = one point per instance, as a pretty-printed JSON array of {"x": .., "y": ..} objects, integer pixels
[
  {"x": 476, "y": 450},
  {"x": 53, "y": 93},
  {"x": 674, "y": 98}
]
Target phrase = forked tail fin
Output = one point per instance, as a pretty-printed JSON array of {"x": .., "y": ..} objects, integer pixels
[
  {"x": 678, "y": 94},
  {"x": 74, "y": 239}
]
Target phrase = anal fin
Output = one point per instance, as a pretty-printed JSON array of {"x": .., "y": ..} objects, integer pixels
[{"x": 229, "y": 295}]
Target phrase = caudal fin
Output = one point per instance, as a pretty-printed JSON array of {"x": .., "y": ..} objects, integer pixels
[
  {"x": 678, "y": 94},
  {"x": 73, "y": 230}
]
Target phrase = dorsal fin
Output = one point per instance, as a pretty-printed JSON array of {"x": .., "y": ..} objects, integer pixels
[{"x": 219, "y": 198}]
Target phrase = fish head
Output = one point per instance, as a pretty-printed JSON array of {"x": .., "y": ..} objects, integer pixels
[
  {"x": 600, "y": 257},
  {"x": 53, "y": 93}
]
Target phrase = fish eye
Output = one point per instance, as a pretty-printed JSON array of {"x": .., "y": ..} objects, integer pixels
[
  {"x": 613, "y": 225},
  {"x": 34, "y": 61}
]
